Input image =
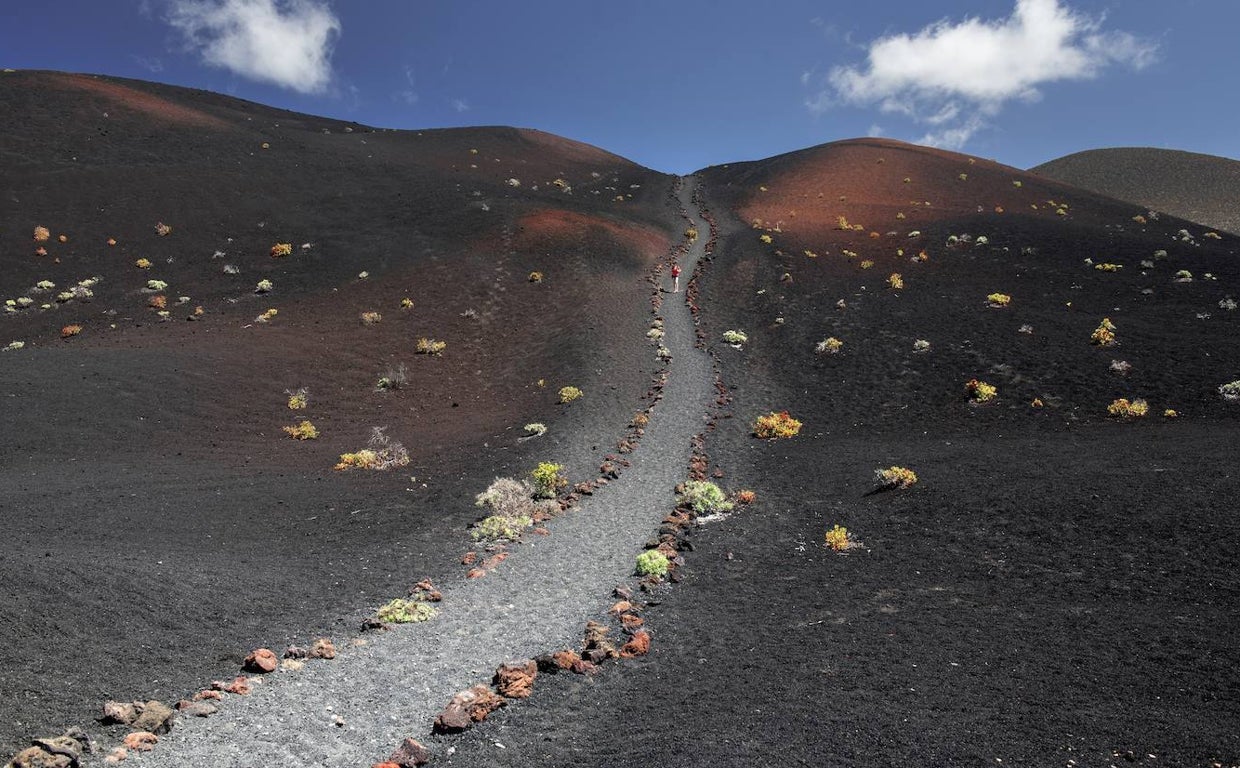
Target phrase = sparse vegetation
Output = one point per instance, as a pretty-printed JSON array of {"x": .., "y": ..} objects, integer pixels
[
  {"x": 298, "y": 398},
  {"x": 998, "y": 300},
  {"x": 1107, "y": 266},
  {"x": 41, "y": 234},
  {"x": 381, "y": 452},
  {"x": 896, "y": 281},
  {"x": 156, "y": 285},
  {"x": 394, "y": 378},
  {"x": 405, "y": 611},
  {"x": 535, "y": 429},
  {"x": 548, "y": 480},
  {"x": 1104, "y": 334},
  {"x": 162, "y": 229},
  {"x": 704, "y": 498},
  {"x": 652, "y": 562},
  {"x": 1122, "y": 408},
  {"x": 569, "y": 394},
  {"x": 69, "y": 331},
  {"x": 142, "y": 263},
  {"x": 1230, "y": 391},
  {"x": 371, "y": 318},
  {"x": 281, "y": 249},
  {"x": 776, "y": 425},
  {"x": 501, "y": 528},
  {"x": 264, "y": 286},
  {"x": 838, "y": 538},
  {"x": 921, "y": 345},
  {"x": 746, "y": 497},
  {"x": 895, "y": 477},
  {"x": 268, "y": 316},
  {"x": 829, "y": 346},
  {"x": 303, "y": 431},
  {"x": 980, "y": 391},
  {"x": 735, "y": 338},
  {"x": 536, "y": 277},
  {"x": 427, "y": 346}
]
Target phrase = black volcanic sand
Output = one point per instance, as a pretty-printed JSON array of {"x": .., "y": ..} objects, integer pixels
[
  {"x": 1200, "y": 188},
  {"x": 160, "y": 523},
  {"x": 1060, "y": 588}
]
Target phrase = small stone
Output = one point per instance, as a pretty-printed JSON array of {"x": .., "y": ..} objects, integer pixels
[
  {"x": 37, "y": 757},
  {"x": 410, "y": 754},
  {"x": 261, "y": 660},
  {"x": 118, "y": 712},
  {"x": 323, "y": 648},
  {"x": 386, "y": 765},
  {"x": 292, "y": 665},
  {"x": 198, "y": 709},
  {"x": 565, "y": 659},
  {"x": 621, "y": 607},
  {"x": 155, "y": 717},
  {"x": 515, "y": 680},
  {"x": 583, "y": 667},
  {"x": 469, "y": 558},
  {"x": 494, "y": 560},
  {"x": 631, "y": 621},
  {"x": 204, "y": 695},
  {"x": 638, "y": 645},
  {"x": 117, "y": 755},
  {"x": 622, "y": 592},
  {"x": 141, "y": 741},
  {"x": 295, "y": 652},
  {"x": 240, "y": 686},
  {"x": 470, "y": 706},
  {"x": 475, "y": 573}
]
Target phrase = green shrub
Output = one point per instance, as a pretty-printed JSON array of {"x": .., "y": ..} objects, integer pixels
[
  {"x": 548, "y": 480},
  {"x": 652, "y": 562},
  {"x": 501, "y": 528},
  {"x": 402, "y": 611},
  {"x": 704, "y": 497}
]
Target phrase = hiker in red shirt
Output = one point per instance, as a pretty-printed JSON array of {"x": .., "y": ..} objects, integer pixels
[{"x": 675, "y": 278}]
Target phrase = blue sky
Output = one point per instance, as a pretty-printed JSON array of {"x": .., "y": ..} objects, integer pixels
[{"x": 678, "y": 85}]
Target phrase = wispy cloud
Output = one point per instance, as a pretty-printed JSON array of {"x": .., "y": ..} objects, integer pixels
[
  {"x": 408, "y": 95},
  {"x": 954, "y": 77},
  {"x": 285, "y": 42},
  {"x": 151, "y": 64},
  {"x": 460, "y": 105}
]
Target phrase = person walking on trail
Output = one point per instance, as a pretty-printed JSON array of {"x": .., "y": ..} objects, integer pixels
[{"x": 675, "y": 278}]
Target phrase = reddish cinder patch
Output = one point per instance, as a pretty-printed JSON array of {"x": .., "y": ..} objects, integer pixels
[
  {"x": 138, "y": 101},
  {"x": 553, "y": 224}
]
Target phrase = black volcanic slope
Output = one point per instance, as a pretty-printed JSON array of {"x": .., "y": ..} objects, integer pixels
[
  {"x": 158, "y": 521},
  {"x": 1060, "y": 587},
  {"x": 1200, "y": 188}
]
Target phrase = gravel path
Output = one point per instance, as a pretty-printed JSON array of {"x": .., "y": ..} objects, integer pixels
[{"x": 538, "y": 600}]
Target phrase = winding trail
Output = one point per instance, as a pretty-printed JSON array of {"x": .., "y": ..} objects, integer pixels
[{"x": 538, "y": 601}]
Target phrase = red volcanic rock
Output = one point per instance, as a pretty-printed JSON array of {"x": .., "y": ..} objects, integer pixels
[
  {"x": 35, "y": 757},
  {"x": 638, "y": 645},
  {"x": 386, "y": 765},
  {"x": 620, "y": 607},
  {"x": 475, "y": 573},
  {"x": 141, "y": 741},
  {"x": 154, "y": 716},
  {"x": 117, "y": 755},
  {"x": 208, "y": 694},
  {"x": 409, "y": 754},
  {"x": 494, "y": 560},
  {"x": 197, "y": 708},
  {"x": 470, "y": 706},
  {"x": 469, "y": 558},
  {"x": 631, "y": 621},
  {"x": 565, "y": 659},
  {"x": 583, "y": 667},
  {"x": 323, "y": 648},
  {"x": 119, "y": 712},
  {"x": 240, "y": 686},
  {"x": 515, "y": 680},
  {"x": 261, "y": 660}
]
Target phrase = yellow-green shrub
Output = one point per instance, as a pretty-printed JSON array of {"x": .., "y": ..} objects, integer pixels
[{"x": 776, "y": 424}]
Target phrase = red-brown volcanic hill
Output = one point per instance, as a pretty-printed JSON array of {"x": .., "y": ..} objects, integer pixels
[
  {"x": 160, "y": 522},
  {"x": 1192, "y": 186},
  {"x": 956, "y": 230}
]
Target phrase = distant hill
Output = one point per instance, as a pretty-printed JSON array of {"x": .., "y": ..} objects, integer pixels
[{"x": 1200, "y": 188}]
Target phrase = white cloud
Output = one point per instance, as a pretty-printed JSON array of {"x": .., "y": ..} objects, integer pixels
[
  {"x": 953, "y": 77},
  {"x": 285, "y": 42},
  {"x": 460, "y": 105}
]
